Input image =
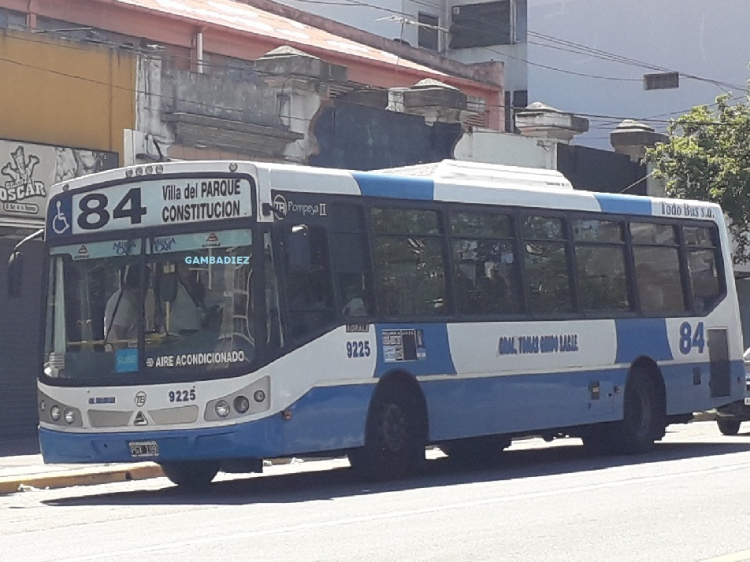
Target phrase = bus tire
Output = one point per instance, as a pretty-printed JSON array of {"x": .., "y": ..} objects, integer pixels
[
  {"x": 193, "y": 474},
  {"x": 395, "y": 434},
  {"x": 728, "y": 426},
  {"x": 644, "y": 416},
  {"x": 643, "y": 423},
  {"x": 480, "y": 451}
]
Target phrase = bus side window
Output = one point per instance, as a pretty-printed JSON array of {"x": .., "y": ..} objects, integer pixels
[
  {"x": 657, "y": 268},
  {"x": 485, "y": 268},
  {"x": 546, "y": 263},
  {"x": 308, "y": 279},
  {"x": 703, "y": 261},
  {"x": 409, "y": 262},
  {"x": 350, "y": 260}
]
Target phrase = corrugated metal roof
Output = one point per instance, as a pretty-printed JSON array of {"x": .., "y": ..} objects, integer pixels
[{"x": 241, "y": 17}]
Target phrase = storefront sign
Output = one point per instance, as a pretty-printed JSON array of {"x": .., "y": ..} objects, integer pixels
[{"x": 28, "y": 170}]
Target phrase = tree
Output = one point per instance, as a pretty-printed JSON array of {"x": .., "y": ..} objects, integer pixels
[{"x": 707, "y": 157}]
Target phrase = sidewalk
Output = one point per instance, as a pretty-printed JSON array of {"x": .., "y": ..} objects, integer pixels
[{"x": 22, "y": 468}]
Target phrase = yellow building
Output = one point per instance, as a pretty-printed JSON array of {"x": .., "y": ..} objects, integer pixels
[{"x": 63, "y": 108}]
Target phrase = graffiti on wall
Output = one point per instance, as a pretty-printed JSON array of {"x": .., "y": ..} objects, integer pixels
[{"x": 28, "y": 170}]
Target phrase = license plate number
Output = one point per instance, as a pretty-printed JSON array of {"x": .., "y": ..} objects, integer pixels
[
  {"x": 747, "y": 400},
  {"x": 141, "y": 449}
]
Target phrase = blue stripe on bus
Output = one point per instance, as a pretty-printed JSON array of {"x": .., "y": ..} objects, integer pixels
[
  {"x": 386, "y": 185},
  {"x": 333, "y": 417},
  {"x": 433, "y": 357},
  {"x": 324, "y": 419},
  {"x": 521, "y": 403},
  {"x": 464, "y": 407},
  {"x": 642, "y": 336},
  {"x": 628, "y": 204}
]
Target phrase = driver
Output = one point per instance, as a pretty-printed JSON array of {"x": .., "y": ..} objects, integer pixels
[
  {"x": 121, "y": 312},
  {"x": 185, "y": 312}
]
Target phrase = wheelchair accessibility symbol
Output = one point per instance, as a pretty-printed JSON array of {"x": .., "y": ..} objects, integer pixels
[{"x": 60, "y": 223}]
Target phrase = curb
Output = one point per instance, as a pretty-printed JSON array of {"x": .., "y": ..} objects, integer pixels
[{"x": 82, "y": 477}]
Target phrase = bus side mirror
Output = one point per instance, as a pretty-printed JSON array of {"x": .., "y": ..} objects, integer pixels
[
  {"x": 298, "y": 248},
  {"x": 15, "y": 275}
]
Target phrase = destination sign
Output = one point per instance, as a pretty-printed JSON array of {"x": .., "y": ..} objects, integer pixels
[{"x": 152, "y": 203}]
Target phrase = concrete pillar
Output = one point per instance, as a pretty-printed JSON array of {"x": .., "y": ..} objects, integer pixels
[
  {"x": 633, "y": 138},
  {"x": 547, "y": 123}
]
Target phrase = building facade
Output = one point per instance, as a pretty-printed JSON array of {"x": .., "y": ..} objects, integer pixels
[
  {"x": 93, "y": 84},
  {"x": 64, "y": 107},
  {"x": 603, "y": 59}
]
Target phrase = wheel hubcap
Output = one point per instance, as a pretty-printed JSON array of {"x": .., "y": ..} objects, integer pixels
[{"x": 394, "y": 428}]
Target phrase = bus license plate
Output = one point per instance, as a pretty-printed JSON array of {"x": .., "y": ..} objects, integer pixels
[{"x": 143, "y": 449}]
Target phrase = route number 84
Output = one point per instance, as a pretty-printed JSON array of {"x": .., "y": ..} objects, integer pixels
[
  {"x": 94, "y": 213},
  {"x": 690, "y": 339}
]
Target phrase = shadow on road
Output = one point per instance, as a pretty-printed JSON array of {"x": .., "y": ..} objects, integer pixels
[{"x": 342, "y": 482}]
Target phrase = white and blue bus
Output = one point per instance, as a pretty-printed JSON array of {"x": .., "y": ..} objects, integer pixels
[{"x": 208, "y": 315}]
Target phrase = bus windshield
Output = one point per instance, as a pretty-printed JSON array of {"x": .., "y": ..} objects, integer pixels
[{"x": 173, "y": 306}]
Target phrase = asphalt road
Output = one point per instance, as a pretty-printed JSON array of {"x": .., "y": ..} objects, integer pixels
[{"x": 687, "y": 501}]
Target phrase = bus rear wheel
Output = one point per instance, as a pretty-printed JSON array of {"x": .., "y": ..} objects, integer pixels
[
  {"x": 395, "y": 435},
  {"x": 728, "y": 426},
  {"x": 643, "y": 423},
  {"x": 193, "y": 474}
]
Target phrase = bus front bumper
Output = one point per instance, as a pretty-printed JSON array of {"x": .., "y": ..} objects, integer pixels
[
  {"x": 325, "y": 419},
  {"x": 157, "y": 446}
]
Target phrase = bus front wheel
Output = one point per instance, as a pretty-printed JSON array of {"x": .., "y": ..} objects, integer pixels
[
  {"x": 395, "y": 435},
  {"x": 193, "y": 474}
]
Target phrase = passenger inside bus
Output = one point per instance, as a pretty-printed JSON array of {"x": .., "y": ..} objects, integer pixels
[
  {"x": 185, "y": 312},
  {"x": 651, "y": 294},
  {"x": 355, "y": 306},
  {"x": 121, "y": 312},
  {"x": 354, "y": 294}
]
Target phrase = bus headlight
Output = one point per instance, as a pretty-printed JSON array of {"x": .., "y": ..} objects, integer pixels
[
  {"x": 70, "y": 416},
  {"x": 54, "y": 413},
  {"x": 222, "y": 408},
  {"x": 259, "y": 396},
  {"x": 241, "y": 404}
]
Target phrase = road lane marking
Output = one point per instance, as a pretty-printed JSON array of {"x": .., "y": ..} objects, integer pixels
[
  {"x": 110, "y": 555},
  {"x": 742, "y": 556}
]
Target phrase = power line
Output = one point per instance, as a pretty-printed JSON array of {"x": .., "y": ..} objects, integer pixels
[
  {"x": 151, "y": 54},
  {"x": 558, "y": 43},
  {"x": 148, "y": 54},
  {"x": 303, "y": 120},
  {"x": 570, "y": 46}
]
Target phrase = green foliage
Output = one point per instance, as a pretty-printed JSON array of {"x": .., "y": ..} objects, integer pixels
[{"x": 707, "y": 157}]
